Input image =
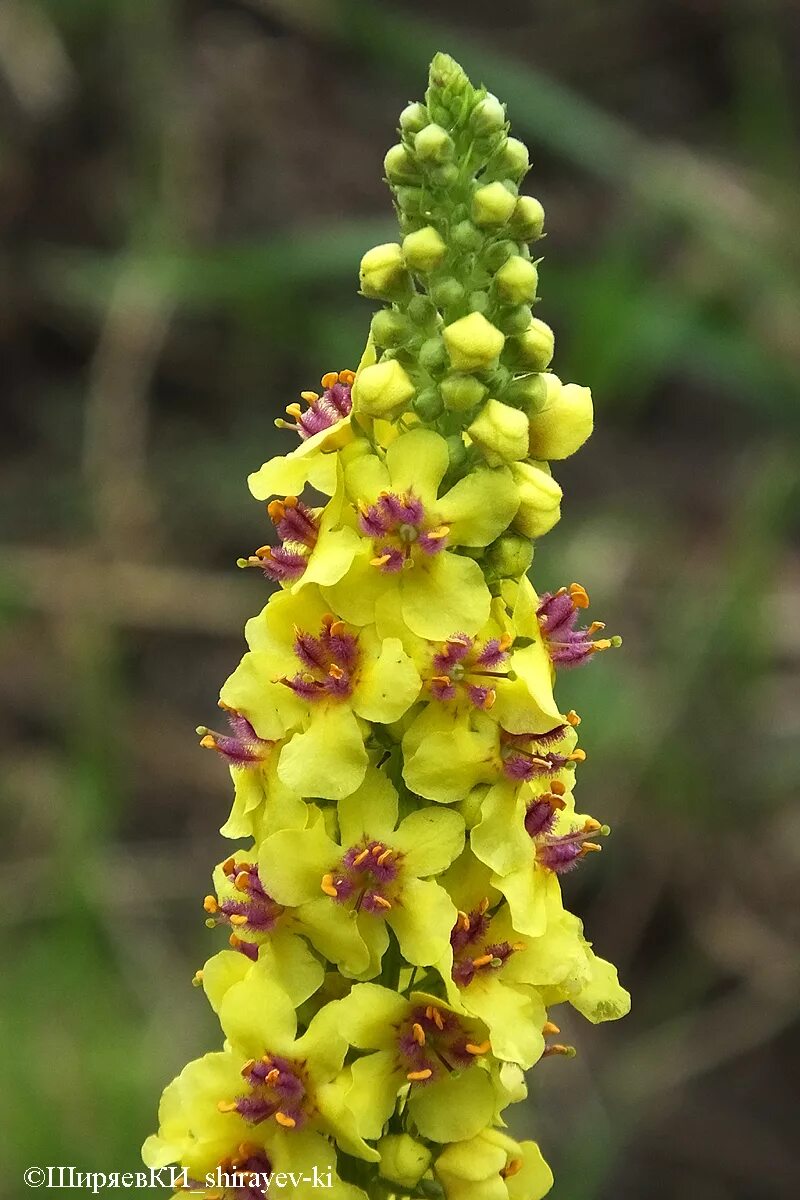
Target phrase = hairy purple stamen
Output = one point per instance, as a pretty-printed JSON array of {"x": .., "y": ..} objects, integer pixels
[{"x": 568, "y": 645}]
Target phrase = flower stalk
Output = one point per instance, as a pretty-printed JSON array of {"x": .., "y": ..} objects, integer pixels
[{"x": 404, "y": 779}]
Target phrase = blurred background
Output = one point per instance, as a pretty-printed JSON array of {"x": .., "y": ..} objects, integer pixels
[{"x": 185, "y": 191}]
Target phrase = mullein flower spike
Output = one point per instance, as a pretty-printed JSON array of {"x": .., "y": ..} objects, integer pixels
[{"x": 403, "y": 775}]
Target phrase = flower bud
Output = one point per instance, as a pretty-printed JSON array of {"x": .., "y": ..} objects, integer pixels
[
  {"x": 564, "y": 421},
  {"x": 428, "y": 404},
  {"x": 421, "y": 310},
  {"x": 399, "y": 165},
  {"x": 517, "y": 280},
  {"x": 488, "y": 116},
  {"x": 432, "y": 354},
  {"x": 413, "y": 118},
  {"x": 492, "y": 204},
  {"x": 456, "y": 452},
  {"x": 444, "y": 176},
  {"x": 447, "y": 292},
  {"x": 383, "y": 274},
  {"x": 533, "y": 349},
  {"x": 501, "y": 433},
  {"x": 389, "y": 328},
  {"x": 410, "y": 200},
  {"x": 529, "y": 393},
  {"x": 510, "y": 556},
  {"x": 466, "y": 236},
  {"x": 478, "y": 301},
  {"x": 424, "y": 249},
  {"x": 514, "y": 320},
  {"x": 539, "y": 499},
  {"x": 473, "y": 343},
  {"x": 527, "y": 221},
  {"x": 461, "y": 393},
  {"x": 382, "y": 390},
  {"x": 513, "y": 159},
  {"x": 433, "y": 145},
  {"x": 403, "y": 1160},
  {"x": 497, "y": 253}
]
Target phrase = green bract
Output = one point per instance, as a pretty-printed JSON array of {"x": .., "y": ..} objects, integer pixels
[{"x": 402, "y": 769}]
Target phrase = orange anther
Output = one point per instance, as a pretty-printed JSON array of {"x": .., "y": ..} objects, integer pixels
[
  {"x": 238, "y": 919},
  {"x": 242, "y": 881},
  {"x": 210, "y": 904},
  {"x": 329, "y": 379},
  {"x": 360, "y": 858},
  {"x": 481, "y": 1048},
  {"x": 327, "y": 885},
  {"x": 419, "y": 1076},
  {"x": 418, "y": 1033},
  {"x": 381, "y": 901},
  {"x": 550, "y": 1028},
  {"x": 482, "y": 960},
  {"x": 309, "y": 397},
  {"x": 285, "y": 1121},
  {"x": 579, "y": 595},
  {"x": 226, "y": 1106}
]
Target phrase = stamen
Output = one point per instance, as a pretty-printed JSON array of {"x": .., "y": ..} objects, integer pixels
[
  {"x": 285, "y": 1121},
  {"x": 482, "y": 1048},
  {"x": 382, "y": 902},
  {"x": 419, "y": 1033},
  {"x": 483, "y": 960},
  {"x": 556, "y": 1048},
  {"x": 512, "y": 1168},
  {"x": 210, "y": 904},
  {"x": 549, "y": 1028},
  {"x": 227, "y": 1106},
  {"x": 327, "y": 885},
  {"x": 419, "y": 1076}
]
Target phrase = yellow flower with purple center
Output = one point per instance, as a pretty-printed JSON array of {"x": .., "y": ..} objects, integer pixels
[
  {"x": 311, "y": 676},
  {"x": 269, "y": 1087},
  {"x": 410, "y": 534},
  {"x": 262, "y": 803},
  {"x": 313, "y": 547},
  {"x": 378, "y": 875},
  {"x": 323, "y": 427},
  {"x": 421, "y": 1045}
]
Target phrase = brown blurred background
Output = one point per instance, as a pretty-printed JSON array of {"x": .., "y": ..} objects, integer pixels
[{"x": 185, "y": 192}]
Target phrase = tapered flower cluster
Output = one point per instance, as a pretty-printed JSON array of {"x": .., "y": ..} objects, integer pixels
[{"x": 403, "y": 775}]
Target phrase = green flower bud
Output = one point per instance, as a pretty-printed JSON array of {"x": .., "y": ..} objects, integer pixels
[
  {"x": 462, "y": 393},
  {"x": 424, "y": 249},
  {"x": 488, "y": 116},
  {"x": 513, "y": 159},
  {"x": 492, "y": 204},
  {"x": 516, "y": 281},
  {"x": 529, "y": 393},
  {"x": 445, "y": 176},
  {"x": 383, "y": 274},
  {"x": 466, "y": 236},
  {"x": 500, "y": 432},
  {"x": 413, "y": 118},
  {"x": 539, "y": 499},
  {"x": 510, "y": 556},
  {"x": 432, "y": 354},
  {"x": 533, "y": 349},
  {"x": 428, "y": 405},
  {"x": 457, "y": 452},
  {"x": 421, "y": 310},
  {"x": 433, "y": 144},
  {"x": 410, "y": 200},
  {"x": 564, "y": 421},
  {"x": 478, "y": 301},
  {"x": 447, "y": 292},
  {"x": 514, "y": 320},
  {"x": 400, "y": 166},
  {"x": 403, "y": 1160},
  {"x": 473, "y": 343},
  {"x": 527, "y": 221},
  {"x": 382, "y": 390},
  {"x": 389, "y": 328},
  {"x": 498, "y": 253}
]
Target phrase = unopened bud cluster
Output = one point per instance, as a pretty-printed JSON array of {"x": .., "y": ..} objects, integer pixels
[{"x": 404, "y": 776}]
